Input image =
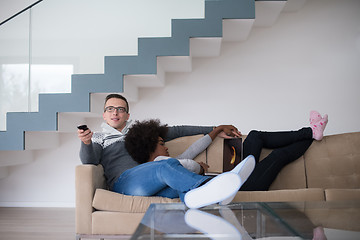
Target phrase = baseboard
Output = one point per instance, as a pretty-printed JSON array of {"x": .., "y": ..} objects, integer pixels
[{"x": 39, "y": 204}]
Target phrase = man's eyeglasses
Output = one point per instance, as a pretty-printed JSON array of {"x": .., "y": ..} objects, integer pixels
[{"x": 112, "y": 109}]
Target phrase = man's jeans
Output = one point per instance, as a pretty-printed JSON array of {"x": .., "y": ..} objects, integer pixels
[{"x": 166, "y": 178}]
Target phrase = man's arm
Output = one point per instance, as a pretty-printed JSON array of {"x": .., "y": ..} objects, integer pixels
[
  {"x": 225, "y": 131},
  {"x": 201, "y": 144},
  {"x": 182, "y": 131},
  {"x": 90, "y": 153}
]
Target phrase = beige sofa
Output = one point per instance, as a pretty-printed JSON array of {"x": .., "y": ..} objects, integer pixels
[{"x": 329, "y": 171}]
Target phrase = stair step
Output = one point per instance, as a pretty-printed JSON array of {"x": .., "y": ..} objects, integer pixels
[
  {"x": 4, "y": 172},
  {"x": 237, "y": 30},
  {"x": 41, "y": 140},
  {"x": 12, "y": 158},
  {"x": 205, "y": 47},
  {"x": 69, "y": 121},
  {"x": 147, "y": 80},
  {"x": 267, "y": 12},
  {"x": 294, "y": 5},
  {"x": 175, "y": 63}
]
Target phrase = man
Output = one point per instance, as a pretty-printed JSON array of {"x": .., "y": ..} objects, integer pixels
[{"x": 108, "y": 149}]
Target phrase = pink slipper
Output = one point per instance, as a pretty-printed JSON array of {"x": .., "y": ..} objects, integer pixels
[
  {"x": 314, "y": 117},
  {"x": 318, "y": 127},
  {"x": 319, "y": 234}
]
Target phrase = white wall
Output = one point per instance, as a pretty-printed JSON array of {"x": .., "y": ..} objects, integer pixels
[
  {"x": 308, "y": 60},
  {"x": 46, "y": 182}
]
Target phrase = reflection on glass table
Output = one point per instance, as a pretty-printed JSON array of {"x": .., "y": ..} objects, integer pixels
[{"x": 247, "y": 220}]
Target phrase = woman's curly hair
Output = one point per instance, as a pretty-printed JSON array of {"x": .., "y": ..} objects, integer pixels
[{"x": 143, "y": 137}]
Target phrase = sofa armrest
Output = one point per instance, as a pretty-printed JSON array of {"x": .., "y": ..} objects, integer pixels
[{"x": 87, "y": 179}]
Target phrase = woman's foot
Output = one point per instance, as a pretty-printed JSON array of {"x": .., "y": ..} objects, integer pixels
[
  {"x": 216, "y": 190},
  {"x": 243, "y": 169},
  {"x": 319, "y": 234},
  {"x": 318, "y": 124},
  {"x": 214, "y": 227},
  {"x": 315, "y": 116}
]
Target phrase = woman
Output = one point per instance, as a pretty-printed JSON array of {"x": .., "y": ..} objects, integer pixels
[{"x": 167, "y": 177}]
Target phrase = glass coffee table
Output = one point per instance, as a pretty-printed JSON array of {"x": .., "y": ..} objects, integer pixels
[{"x": 295, "y": 220}]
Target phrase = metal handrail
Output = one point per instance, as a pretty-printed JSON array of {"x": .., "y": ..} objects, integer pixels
[{"x": 16, "y": 14}]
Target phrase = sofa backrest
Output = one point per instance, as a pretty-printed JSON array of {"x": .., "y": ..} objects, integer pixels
[
  {"x": 334, "y": 162},
  {"x": 292, "y": 176},
  {"x": 179, "y": 145}
]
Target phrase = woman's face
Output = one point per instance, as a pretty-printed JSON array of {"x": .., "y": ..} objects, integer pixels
[{"x": 161, "y": 150}]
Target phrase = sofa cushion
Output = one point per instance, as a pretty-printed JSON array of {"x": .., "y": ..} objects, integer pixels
[
  {"x": 334, "y": 162},
  {"x": 289, "y": 195},
  {"x": 342, "y": 194},
  {"x": 105, "y": 200}
]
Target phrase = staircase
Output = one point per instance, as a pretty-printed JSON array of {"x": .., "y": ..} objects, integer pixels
[{"x": 225, "y": 21}]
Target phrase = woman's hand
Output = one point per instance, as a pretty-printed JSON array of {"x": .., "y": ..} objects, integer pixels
[
  {"x": 85, "y": 136},
  {"x": 204, "y": 168},
  {"x": 225, "y": 131}
]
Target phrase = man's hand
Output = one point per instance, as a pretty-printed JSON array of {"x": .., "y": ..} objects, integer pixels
[
  {"x": 85, "y": 136},
  {"x": 225, "y": 131}
]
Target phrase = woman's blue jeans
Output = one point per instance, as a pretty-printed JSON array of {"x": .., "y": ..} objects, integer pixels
[{"x": 166, "y": 178}]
